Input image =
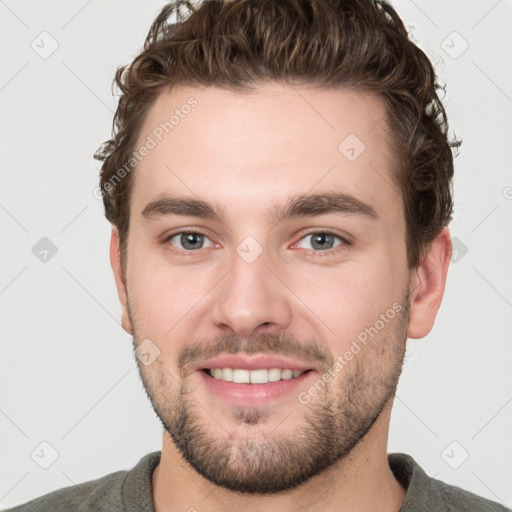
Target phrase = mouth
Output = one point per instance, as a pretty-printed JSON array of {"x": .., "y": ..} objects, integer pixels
[
  {"x": 251, "y": 380},
  {"x": 257, "y": 376}
]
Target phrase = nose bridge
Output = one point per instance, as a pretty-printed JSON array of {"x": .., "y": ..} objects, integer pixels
[{"x": 250, "y": 295}]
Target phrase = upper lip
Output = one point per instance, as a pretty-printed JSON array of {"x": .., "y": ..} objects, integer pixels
[{"x": 251, "y": 362}]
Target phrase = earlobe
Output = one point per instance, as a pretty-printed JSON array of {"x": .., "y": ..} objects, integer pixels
[
  {"x": 115, "y": 262},
  {"x": 427, "y": 285}
]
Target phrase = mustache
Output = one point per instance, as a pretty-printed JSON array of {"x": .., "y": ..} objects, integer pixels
[{"x": 265, "y": 343}]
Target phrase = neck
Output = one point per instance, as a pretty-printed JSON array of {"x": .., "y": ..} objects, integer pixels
[{"x": 362, "y": 481}]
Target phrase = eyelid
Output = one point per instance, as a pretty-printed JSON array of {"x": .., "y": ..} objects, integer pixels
[
  {"x": 312, "y": 231},
  {"x": 345, "y": 242},
  {"x": 168, "y": 237},
  {"x": 180, "y": 231}
]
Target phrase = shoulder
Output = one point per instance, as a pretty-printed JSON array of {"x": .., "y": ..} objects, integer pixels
[
  {"x": 426, "y": 493},
  {"x": 101, "y": 494},
  {"x": 110, "y": 493}
]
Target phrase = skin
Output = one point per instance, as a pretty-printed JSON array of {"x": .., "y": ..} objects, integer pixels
[{"x": 248, "y": 153}]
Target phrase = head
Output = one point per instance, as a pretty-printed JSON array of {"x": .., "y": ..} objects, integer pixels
[{"x": 305, "y": 145}]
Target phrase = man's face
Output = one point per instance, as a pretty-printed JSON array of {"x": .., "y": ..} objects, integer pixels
[{"x": 325, "y": 292}]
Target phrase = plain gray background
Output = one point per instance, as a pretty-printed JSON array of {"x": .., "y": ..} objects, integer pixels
[{"x": 68, "y": 377}]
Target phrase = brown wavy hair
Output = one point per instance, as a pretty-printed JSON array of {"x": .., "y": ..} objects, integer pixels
[{"x": 239, "y": 44}]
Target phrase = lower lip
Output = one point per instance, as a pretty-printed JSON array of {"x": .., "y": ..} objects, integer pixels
[{"x": 254, "y": 394}]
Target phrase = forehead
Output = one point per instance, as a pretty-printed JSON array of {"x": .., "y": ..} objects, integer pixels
[{"x": 244, "y": 150}]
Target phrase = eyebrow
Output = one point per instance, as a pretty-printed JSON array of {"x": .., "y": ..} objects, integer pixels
[{"x": 299, "y": 206}]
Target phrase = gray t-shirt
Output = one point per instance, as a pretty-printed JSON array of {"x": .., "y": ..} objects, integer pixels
[{"x": 131, "y": 491}]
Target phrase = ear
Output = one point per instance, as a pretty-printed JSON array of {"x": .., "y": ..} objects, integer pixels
[
  {"x": 427, "y": 285},
  {"x": 115, "y": 262}
]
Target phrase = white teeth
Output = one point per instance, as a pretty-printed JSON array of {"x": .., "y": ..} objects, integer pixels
[
  {"x": 258, "y": 376},
  {"x": 286, "y": 374},
  {"x": 274, "y": 375},
  {"x": 261, "y": 376},
  {"x": 227, "y": 374},
  {"x": 241, "y": 376}
]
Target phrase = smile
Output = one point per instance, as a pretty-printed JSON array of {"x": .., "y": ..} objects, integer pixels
[{"x": 257, "y": 376}]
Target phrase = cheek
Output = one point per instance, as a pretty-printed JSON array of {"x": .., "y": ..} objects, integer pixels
[
  {"x": 350, "y": 299},
  {"x": 166, "y": 297}
]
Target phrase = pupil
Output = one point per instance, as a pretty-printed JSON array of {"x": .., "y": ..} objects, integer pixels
[
  {"x": 189, "y": 240},
  {"x": 321, "y": 239}
]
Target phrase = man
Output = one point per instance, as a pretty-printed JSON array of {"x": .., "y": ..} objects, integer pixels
[{"x": 278, "y": 183}]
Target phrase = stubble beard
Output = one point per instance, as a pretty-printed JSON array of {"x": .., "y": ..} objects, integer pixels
[{"x": 260, "y": 459}]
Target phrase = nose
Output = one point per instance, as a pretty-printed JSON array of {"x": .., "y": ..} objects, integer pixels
[{"x": 252, "y": 298}]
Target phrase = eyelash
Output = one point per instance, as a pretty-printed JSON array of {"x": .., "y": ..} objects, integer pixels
[{"x": 316, "y": 254}]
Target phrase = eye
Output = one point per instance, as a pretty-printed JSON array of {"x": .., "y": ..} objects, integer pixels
[
  {"x": 322, "y": 241},
  {"x": 190, "y": 241}
]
